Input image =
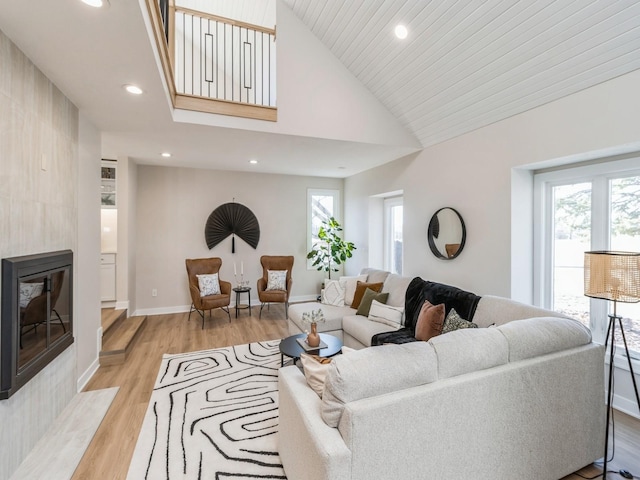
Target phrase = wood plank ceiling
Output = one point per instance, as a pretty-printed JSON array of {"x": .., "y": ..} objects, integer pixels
[{"x": 467, "y": 64}]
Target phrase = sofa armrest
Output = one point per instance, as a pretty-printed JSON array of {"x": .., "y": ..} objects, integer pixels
[{"x": 309, "y": 448}]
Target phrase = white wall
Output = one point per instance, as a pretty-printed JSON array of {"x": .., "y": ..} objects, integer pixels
[
  {"x": 473, "y": 174},
  {"x": 484, "y": 176},
  {"x": 38, "y": 213},
  {"x": 87, "y": 321},
  {"x": 173, "y": 205}
]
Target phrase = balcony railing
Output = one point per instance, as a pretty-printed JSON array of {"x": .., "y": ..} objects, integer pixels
[
  {"x": 215, "y": 58},
  {"x": 214, "y": 64}
]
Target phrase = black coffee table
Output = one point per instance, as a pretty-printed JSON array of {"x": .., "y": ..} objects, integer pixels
[{"x": 291, "y": 348}]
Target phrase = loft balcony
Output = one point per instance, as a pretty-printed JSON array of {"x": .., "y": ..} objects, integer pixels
[{"x": 214, "y": 64}]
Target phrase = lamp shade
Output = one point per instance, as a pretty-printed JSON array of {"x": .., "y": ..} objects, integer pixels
[{"x": 612, "y": 275}]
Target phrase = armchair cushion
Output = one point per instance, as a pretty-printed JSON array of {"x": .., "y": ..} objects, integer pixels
[
  {"x": 276, "y": 280},
  {"x": 208, "y": 284},
  {"x": 28, "y": 291}
]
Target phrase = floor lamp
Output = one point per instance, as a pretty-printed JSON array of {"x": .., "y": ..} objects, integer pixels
[{"x": 613, "y": 276}]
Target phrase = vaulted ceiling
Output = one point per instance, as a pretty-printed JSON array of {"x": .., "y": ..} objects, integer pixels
[
  {"x": 467, "y": 64},
  {"x": 464, "y": 64}
]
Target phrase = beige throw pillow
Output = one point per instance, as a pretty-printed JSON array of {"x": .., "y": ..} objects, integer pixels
[
  {"x": 350, "y": 284},
  {"x": 333, "y": 293},
  {"x": 316, "y": 368},
  {"x": 386, "y": 314}
]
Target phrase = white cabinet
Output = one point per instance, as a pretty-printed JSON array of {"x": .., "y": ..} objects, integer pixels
[{"x": 108, "y": 277}]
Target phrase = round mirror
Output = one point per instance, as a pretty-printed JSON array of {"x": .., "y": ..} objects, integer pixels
[{"x": 446, "y": 233}]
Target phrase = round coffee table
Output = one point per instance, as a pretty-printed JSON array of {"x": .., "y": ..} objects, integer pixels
[{"x": 291, "y": 348}]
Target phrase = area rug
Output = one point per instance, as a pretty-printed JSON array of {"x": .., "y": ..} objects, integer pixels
[{"x": 213, "y": 414}]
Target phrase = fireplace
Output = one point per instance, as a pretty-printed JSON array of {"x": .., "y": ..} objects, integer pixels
[{"x": 37, "y": 315}]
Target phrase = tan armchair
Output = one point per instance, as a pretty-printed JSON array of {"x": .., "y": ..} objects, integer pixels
[
  {"x": 204, "y": 266},
  {"x": 275, "y": 296},
  {"x": 35, "y": 313}
]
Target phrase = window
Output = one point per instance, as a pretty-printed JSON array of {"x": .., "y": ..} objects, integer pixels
[
  {"x": 393, "y": 234},
  {"x": 594, "y": 207},
  {"x": 321, "y": 205}
]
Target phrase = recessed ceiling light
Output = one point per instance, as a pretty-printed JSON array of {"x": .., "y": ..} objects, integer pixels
[
  {"x": 253, "y": 162},
  {"x": 97, "y": 3},
  {"x": 401, "y": 32},
  {"x": 133, "y": 89},
  {"x": 165, "y": 154}
]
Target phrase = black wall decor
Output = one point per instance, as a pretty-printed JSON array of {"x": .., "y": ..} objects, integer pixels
[{"x": 232, "y": 219}]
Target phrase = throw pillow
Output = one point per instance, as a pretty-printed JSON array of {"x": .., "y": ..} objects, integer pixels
[
  {"x": 276, "y": 280},
  {"x": 430, "y": 321},
  {"x": 333, "y": 293},
  {"x": 361, "y": 287},
  {"x": 368, "y": 297},
  {"x": 456, "y": 322},
  {"x": 208, "y": 284},
  {"x": 350, "y": 284},
  {"x": 29, "y": 291},
  {"x": 387, "y": 314},
  {"x": 315, "y": 369}
]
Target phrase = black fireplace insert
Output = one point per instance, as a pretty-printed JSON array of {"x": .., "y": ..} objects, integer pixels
[{"x": 37, "y": 315}]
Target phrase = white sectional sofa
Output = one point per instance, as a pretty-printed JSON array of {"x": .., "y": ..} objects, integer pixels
[
  {"x": 355, "y": 331},
  {"x": 522, "y": 398}
]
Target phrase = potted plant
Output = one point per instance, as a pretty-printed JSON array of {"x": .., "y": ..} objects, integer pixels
[{"x": 331, "y": 250}]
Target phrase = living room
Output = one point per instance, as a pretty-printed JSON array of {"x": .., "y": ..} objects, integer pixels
[{"x": 485, "y": 174}]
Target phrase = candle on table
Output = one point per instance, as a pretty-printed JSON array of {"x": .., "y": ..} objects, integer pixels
[
  {"x": 241, "y": 268},
  {"x": 234, "y": 269}
]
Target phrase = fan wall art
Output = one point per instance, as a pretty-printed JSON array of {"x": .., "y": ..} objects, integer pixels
[{"x": 232, "y": 219}]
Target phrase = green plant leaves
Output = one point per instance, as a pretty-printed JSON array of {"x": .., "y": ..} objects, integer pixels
[{"x": 331, "y": 250}]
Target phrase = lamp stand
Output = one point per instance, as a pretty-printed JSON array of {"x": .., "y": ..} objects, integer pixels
[{"x": 611, "y": 330}]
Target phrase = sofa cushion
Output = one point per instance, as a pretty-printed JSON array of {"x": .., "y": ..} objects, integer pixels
[
  {"x": 375, "y": 371},
  {"x": 368, "y": 297},
  {"x": 532, "y": 337},
  {"x": 362, "y": 329},
  {"x": 350, "y": 284},
  {"x": 430, "y": 321},
  {"x": 374, "y": 275},
  {"x": 469, "y": 350},
  {"x": 387, "y": 314},
  {"x": 396, "y": 286},
  {"x": 500, "y": 310},
  {"x": 362, "y": 287},
  {"x": 456, "y": 322}
]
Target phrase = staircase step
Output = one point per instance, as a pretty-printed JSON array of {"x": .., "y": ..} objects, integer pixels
[
  {"x": 110, "y": 317},
  {"x": 116, "y": 348}
]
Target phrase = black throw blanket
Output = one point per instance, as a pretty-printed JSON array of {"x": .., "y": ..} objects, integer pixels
[{"x": 419, "y": 290}]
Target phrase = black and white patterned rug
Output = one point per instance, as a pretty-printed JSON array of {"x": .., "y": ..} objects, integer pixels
[{"x": 212, "y": 415}]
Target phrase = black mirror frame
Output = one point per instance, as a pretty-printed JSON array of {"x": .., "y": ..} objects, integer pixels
[{"x": 434, "y": 226}]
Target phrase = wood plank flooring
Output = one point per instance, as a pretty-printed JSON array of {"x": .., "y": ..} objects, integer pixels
[{"x": 110, "y": 452}]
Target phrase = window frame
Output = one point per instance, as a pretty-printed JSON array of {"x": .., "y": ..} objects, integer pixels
[
  {"x": 388, "y": 204},
  {"x": 599, "y": 175},
  {"x": 325, "y": 192}
]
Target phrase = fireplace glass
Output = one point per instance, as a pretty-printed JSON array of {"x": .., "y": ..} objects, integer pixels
[{"x": 37, "y": 319}]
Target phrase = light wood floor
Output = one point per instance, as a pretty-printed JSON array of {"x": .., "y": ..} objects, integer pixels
[{"x": 110, "y": 452}]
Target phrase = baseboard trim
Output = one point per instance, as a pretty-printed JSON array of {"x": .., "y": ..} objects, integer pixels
[
  {"x": 83, "y": 380},
  {"x": 124, "y": 305}
]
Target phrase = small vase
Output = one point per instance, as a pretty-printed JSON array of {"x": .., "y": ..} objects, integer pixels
[{"x": 313, "y": 339}]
